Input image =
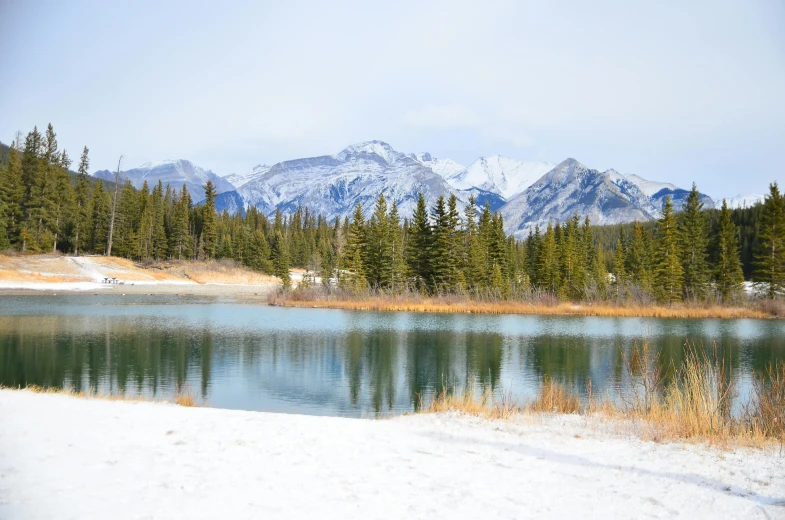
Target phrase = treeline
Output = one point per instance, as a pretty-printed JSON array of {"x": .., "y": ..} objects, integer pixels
[{"x": 696, "y": 254}]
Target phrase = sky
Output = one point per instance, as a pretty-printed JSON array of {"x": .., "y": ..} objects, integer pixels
[{"x": 671, "y": 91}]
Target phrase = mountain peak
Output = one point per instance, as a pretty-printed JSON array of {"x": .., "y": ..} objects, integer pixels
[{"x": 379, "y": 148}]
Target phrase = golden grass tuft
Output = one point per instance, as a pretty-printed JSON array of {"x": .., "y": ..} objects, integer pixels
[
  {"x": 185, "y": 399},
  {"x": 468, "y": 402},
  {"x": 467, "y": 305},
  {"x": 694, "y": 405},
  {"x": 182, "y": 398},
  {"x": 554, "y": 398}
]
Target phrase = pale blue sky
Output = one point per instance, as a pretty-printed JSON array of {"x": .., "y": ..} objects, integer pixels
[{"x": 669, "y": 92}]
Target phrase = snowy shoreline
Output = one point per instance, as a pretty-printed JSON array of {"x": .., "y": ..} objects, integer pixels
[{"x": 68, "y": 457}]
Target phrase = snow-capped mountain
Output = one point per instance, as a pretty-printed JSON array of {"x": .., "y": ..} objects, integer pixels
[
  {"x": 444, "y": 167},
  {"x": 607, "y": 197},
  {"x": 570, "y": 188},
  {"x": 173, "y": 173},
  {"x": 742, "y": 201},
  {"x": 526, "y": 193},
  {"x": 332, "y": 185},
  {"x": 500, "y": 175},
  {"x": 239, "y": 179},
  {"x": 650, "y": 188}
]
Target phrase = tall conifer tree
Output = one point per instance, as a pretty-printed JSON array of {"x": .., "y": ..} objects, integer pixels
[
  {"x": 727, "y": 264},
  {"x": 770, "y": 255}
]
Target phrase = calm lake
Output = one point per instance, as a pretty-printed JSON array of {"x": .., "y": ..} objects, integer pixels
[{"x": 330, "y": 362}]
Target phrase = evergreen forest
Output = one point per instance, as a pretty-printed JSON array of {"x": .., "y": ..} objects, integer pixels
[{"x": 695, "y": 254}]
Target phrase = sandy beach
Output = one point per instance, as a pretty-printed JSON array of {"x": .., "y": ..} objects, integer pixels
[
  {"x": 69, "y": 457},
  {"x": 36, "y": 274}
]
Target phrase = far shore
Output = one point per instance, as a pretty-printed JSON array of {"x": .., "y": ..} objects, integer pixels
[
  {"x": 59, "y": 274},
  {"x": 525, "y": 308}
]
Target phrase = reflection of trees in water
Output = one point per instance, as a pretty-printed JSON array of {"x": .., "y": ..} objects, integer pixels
[
  {"x": 373, "y": 369},
  {"x": 121, "y": 359},
  {"x": 484, "y": 359}
]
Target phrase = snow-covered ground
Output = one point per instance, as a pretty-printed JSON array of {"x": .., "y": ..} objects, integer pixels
[{"x": 65, "y": 457}]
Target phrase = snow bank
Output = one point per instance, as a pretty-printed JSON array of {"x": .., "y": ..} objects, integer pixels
[
  {"x": 53, "y": 286},
  {"x": 66, "y": 457}
]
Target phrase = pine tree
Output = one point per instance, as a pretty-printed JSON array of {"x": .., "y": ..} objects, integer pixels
[
  {"x": 474, "y": 254},
  {"x": 669, "y": 273},
  {"x": 258, "y": 253},
  {"x": 727, "y": 262},
  {"x": 693, "y": 235},
  {"x": 82, "y": 215},
  {"x": 419, "y": 246},
  {"x": 397, "y": 260},
  {"x": 619, "y": 271},
  {"x": 441, "y": 263},
  {"x": 378, "y": 258},
  {"x": 12, "y": 191},
  {"x": 209, "y": 231},
  {"x": 160, "y": 240},
  {"x": 639, "y": 264},
  {"x": 353, "y": 275},
  {"x": 770, "y": 255},
  {"x": 280, "y": 259},
  {"x": 180, "y": 242},
  {"x": 99, "y": 219},
  {"x": 548, "y": 270}
]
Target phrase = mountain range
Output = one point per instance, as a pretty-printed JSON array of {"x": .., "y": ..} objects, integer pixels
[{"x": 526, "y": 193}]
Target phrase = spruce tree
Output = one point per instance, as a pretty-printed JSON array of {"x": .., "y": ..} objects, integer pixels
[
  {"x": 180, "y": 242},
  {"x": 769, "y": 266},
  {"x": 99, "y": 219},
  {"x": 280, "y": 259},
  {"x": 638, "y": 257},
  {"x": 378, "y": 260},
  {"x": 209, "y": 231},
  {"x": 619, "y": 271},
  {"x": 258, "y": 253},
  {"x": 441, "y": 263},
  {"x": 548, "y": 270},
  {"x": 419, "y": 246},
  {"x": 727, "y": 263},
  {"x": 397, "y": 260},
  {"x": 669, "y": 273},
  {"x": 81, "y": 216},
  {"x": 12, "y": 193},
  {"x": 353, "y": 275},
  {"x": 693, "y": 236}
]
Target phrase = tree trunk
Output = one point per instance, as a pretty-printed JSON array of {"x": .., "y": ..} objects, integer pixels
[{"x": 114, "y": 208}]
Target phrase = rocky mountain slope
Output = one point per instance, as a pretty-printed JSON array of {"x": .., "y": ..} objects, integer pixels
[
  {"x": 332, "y": 185},
  {"x": 173, "y": 173},
  {"x": 526, "y": 193}
]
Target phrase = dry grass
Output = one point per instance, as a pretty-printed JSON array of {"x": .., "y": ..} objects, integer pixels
[
  {"x": 469, "y": 403},
  {"x": 216, "y": 271},
  {"x": 554, "y": 398},
  {"x": 182, "y": 398},
  {"x": 695, "y": 404},
  {"x": 466, "y": 305}
]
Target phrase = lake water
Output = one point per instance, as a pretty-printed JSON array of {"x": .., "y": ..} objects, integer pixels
[{"x": 331, "y": 362}]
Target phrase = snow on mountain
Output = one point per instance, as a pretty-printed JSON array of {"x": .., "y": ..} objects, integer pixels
[
  {"x": 444, "y": 167},
  {"x": 742, "y": 201},
  {"x": 649, "y": 188},
  {"x": 332, "y": 185},
  {"x": 571, "y": 188},
  {"x": 172, "y": 173},
  {"x": 500, "y": 175},
  {"x": 239, "y": 179}
]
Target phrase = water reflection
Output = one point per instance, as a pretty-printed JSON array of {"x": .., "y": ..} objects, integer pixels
[{"x": 334, "y": 362}]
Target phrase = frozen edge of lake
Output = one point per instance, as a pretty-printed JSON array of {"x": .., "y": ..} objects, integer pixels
[{"x": 68, "y": 457}]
